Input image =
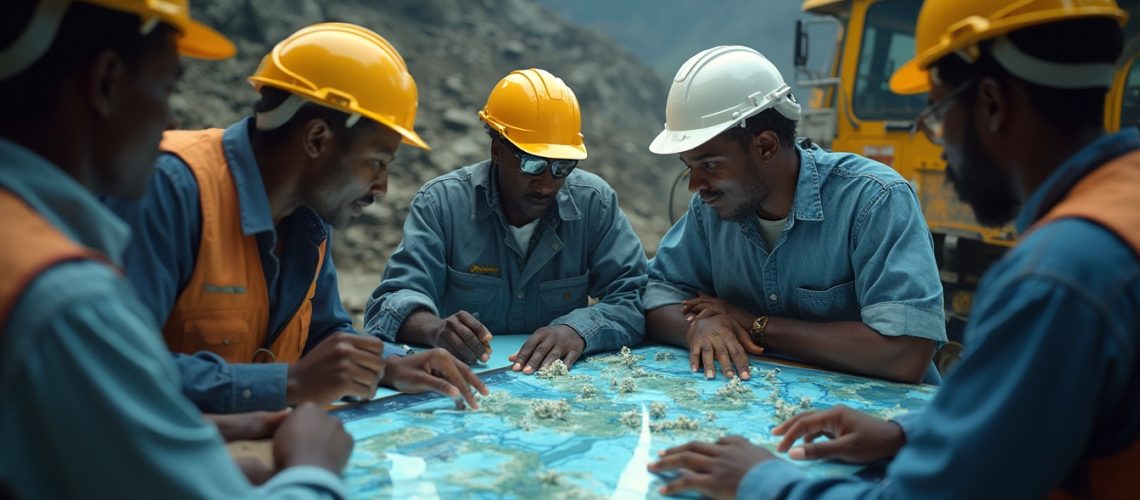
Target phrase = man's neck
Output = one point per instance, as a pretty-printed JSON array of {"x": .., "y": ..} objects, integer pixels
[
  {"x": 275, "y": 164},
  {"x": 782, "y": 192},
  {"x": 1044, "y": 155}
]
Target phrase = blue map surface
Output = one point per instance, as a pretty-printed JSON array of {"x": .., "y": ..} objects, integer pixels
[{"x": 589, "y": 433}]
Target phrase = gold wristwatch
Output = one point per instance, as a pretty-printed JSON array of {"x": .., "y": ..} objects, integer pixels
[{"x": 757, "y": 332}]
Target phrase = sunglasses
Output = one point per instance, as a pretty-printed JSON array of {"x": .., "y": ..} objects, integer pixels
[
  {"x": 535, "y": 165},
  {"x": 931, "y": 120}
]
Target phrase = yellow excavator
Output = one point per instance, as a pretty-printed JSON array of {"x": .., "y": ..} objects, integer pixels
[{"x": 851, "y": 108}]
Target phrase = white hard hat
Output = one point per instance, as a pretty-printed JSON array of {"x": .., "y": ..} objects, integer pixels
[{"x": 719, "y": 88}]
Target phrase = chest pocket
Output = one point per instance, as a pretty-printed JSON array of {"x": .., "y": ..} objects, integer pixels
[
  {"x": 472, "y": 293},
  {"x": 837, "y": 303},
  {"x": 562, "y": 296}
]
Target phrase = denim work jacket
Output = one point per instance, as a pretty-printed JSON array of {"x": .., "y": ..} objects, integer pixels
[
  {"x": 855, "y": 248},
  {"x": 458, "y": 254}
]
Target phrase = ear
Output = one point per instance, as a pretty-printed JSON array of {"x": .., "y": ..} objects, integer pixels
[
  {"x": 765, "y": 145},
  {"x": 107, "y": 76},
  {"x": 994, "y": 102},
  {"x": 317, "y": 138}
]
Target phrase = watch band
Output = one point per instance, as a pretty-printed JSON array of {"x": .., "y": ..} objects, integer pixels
[{"x": 757, "y": 332}]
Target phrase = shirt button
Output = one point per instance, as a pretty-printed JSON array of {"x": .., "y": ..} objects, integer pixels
[
  {"x": 556, "y": 246},
  {"x": 246, "y": 393},
  {"x": 773, "y": 297},
  {"x": 520, "y": 295}
]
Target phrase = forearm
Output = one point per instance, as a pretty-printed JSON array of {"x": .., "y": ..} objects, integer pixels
[
  {"x": 418, "y": 328},
  {"x": 851, "y": 346},
  {"x": 667, "y": 325}
]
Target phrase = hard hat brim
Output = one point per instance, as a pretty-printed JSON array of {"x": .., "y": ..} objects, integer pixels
[
  {"x": 678, "y": 141},
  {"x": 411, "y": 138},
  {"x": 553, "y": 151},
  {"x": 202, "y": 42},
  {"x": 910, "y": 79}
]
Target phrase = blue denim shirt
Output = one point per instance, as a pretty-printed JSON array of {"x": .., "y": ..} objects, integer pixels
[
  {"x": 1049, "y": 375},
  {"x": 91, "y": 405},
  {"x": 855, "y": 248},
  {"x": 457, "y": 254},
  {"x": 160, "y": 260}
]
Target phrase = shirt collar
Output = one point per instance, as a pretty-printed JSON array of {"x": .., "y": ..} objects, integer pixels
[
  {"x": 60, "y": 199},
  {"x": 808, "y": 203},
  {"x": 253, "y": 201},
  {"x": 482, "y": 178},
  {"x": 1072, "y": 170}
]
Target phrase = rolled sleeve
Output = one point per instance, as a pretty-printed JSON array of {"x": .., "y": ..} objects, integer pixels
[
  {"x": 895, "y": 319},
  {"x": 219, "y": 387},
  {"x": 617, "y": 278},
  {"x": 385, "y": 314},
  {"x": 896, "y": 275},
  {"x": 414, "y": 276},
  {"x": 682, "y": 266}
]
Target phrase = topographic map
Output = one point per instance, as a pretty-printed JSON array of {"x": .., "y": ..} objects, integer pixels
[{"x": 588, "y": 433}]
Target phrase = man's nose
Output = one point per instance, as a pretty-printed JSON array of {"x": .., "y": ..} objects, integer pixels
[{"x": 696, "y": 181}]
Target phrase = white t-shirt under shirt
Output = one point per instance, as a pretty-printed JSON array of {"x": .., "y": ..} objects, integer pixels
[
  {"x": 523, "y": 234},
  {"x": 771, "y": 229}
]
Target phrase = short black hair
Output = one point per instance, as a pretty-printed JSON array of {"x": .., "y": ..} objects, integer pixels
[
  {"x": 769, "y": 119},
  {"x": 85, "y": 31},
  {"x": 1085, "y": 40},
  {"x": 272, "y": 97}
]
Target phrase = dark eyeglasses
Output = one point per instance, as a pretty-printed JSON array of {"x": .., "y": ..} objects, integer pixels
[
  {"x": 931, "y": 120},
  {"x": 535, "y": 165}
]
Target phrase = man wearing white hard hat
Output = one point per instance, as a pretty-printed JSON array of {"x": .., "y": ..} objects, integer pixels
[{"x": 787, "y": 248}]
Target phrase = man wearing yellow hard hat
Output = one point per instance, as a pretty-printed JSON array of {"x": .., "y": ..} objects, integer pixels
[
  {"x": 232, "y": 241},
  {"x": 91, "y": 400},
  {"x": 517, "y": 243},
  {"x": 1044, "y": 402}
]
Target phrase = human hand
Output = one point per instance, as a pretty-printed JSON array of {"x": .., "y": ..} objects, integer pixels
[
  {"x": 438, "y": 371},
  {"x": 853, "y": 436},
  {"x": 717, "y": 337},
  {"x": 249, "y": 425},
  {"x": 712, "y": 469},
  {"x": 712, "y": 305},
  {"x": 256, "y": 471},
  {"x": 310, "y": 436},
  {"x": 546, "y": 345},
  {"x": 344, "y": 364},
  {"x": 464, "y": 336}
]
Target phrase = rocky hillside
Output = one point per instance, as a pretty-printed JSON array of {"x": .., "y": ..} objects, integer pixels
[{"x": 456, "y": 50}]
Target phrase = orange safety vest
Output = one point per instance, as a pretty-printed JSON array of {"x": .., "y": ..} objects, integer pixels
[
  {"x": 1110, "y": 197},
  {"x": 224, "y": 308},
  {"x": 38, "y": 246}
]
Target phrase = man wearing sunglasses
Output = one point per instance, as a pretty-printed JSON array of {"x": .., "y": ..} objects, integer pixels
[
  {"x": 823, "y": 257},
  {"x": 517, "y": 243}
]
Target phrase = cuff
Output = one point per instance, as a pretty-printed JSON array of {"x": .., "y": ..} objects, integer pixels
[
  {"x": 258, "y": 387},
  {"x": 767, "y": 480},
  {"x": 894, "y": 319},
  {"x": 393, "y": 309},
  {"x": 587, "y": 328},
  {"x": 661, "y": 294},
  {"x": 318, "y": 482},
  {"x": 908, "y": 422}
]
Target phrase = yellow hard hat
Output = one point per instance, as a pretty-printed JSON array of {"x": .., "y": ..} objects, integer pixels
[
  {"x": 348, "y": 68},
  {"x": 538, "y": 113},
  {"x": 197, "y": 40},
  {"x": 948, "y": 26}
]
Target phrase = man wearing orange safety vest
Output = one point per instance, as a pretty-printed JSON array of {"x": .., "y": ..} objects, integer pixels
[
  {"x": 90, "y": 403},
  {"x": 231, "y": 248},
  {"x": 1046, "y": 399}
]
